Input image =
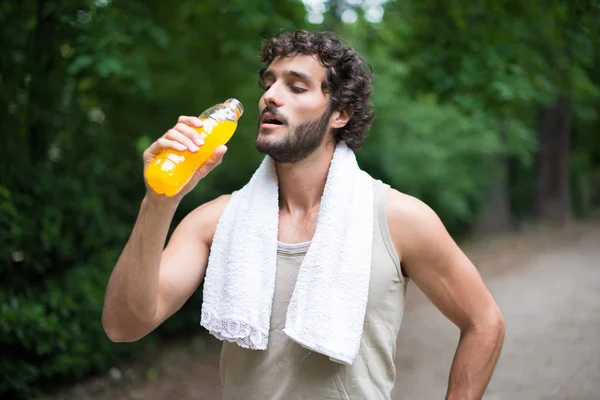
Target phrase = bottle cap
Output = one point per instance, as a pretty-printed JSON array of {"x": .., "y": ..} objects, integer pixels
[{"x": 236, "y": 106}]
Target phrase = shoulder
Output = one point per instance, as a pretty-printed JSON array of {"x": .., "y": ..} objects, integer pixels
[
  {"x": 204, "y": 218},
  {"x": 412, "y": 223},
  {"x": 215, "y": 206},
  {"x": 403, "y": 208}
]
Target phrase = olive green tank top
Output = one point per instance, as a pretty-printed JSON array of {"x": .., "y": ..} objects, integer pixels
[{"x": 286, "y": 370}]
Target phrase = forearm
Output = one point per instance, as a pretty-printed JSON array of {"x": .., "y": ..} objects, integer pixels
[
  {"x": 132, "y": 291},
  {"x": 474, "y": 362}
]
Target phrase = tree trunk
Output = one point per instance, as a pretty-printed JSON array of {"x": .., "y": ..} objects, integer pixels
[
  {"x": 496, "y": 216},
  {"x": 552, "y": 197}
]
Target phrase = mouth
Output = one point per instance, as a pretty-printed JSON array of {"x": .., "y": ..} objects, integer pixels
[{"x": 271, "y": 121}]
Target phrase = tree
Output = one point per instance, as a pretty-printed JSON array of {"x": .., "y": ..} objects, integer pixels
[
  {"x": 500, "y": 60},
  {"x": 88, "y": 85},
  {"x": 566, "y": 48}
]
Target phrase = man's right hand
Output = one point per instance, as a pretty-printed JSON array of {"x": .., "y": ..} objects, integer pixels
[{"x": 183, "y": 136}]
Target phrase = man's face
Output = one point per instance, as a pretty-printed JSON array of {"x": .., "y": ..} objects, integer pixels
[{"x": 294, "y": 113}]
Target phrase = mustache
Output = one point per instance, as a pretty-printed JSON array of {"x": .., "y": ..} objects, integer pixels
[{"x": 273, "y": 110}]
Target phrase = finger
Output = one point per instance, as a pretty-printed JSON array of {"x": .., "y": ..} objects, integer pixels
[
  {"x": 177, "y": 136},
  {"x": 164, "y": 143},
  {"x": 190, "y": 133},
  {"x": 190, "y": 121}
]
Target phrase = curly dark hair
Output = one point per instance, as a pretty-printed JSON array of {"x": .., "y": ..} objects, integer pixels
[{"x": 348, "y": 78}]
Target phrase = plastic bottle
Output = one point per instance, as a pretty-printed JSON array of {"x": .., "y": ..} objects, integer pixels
[{"x": 171, "y": 169}]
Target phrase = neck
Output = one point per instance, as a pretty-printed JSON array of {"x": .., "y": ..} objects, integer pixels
[{"x": 301, "y": 184}]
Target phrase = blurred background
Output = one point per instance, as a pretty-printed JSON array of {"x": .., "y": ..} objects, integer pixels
[{"x": 487, "y": 111}]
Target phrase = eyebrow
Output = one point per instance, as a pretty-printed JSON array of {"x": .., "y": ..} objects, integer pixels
[{"x": 287, "y": 73}]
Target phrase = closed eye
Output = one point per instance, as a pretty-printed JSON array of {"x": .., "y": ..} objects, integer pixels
[{"x": 297, "y": 89}]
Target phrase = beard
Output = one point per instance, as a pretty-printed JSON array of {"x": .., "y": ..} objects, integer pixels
[{"x": 298, "y": 143}]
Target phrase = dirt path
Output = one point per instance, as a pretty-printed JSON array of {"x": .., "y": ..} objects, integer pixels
[{"x": 546, "y": 282}]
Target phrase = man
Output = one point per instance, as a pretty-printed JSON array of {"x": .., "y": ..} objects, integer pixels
[{"x": 316, "y": 95}]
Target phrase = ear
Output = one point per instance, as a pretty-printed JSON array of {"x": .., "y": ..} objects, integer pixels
[{"x": 341, "y": 116}]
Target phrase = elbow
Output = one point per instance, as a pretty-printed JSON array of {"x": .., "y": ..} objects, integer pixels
[
  {"x": 112, "y": 332},
  {"x": 116, "y": 333},
  {"x": 494, "y": 324},
  {"x": 120, "y": 336},
  {"x": 496, "y": 319},
  {"x": 114, "y": 336},
  {"x": 491, "y": 322}
]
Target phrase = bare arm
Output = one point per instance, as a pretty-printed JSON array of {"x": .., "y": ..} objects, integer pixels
[
  {"x": 150, "y": 282},
  {"x": 448, "y": 278}
]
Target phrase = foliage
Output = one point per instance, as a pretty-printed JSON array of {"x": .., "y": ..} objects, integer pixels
[
  {"x": 88, "y": 86},
  {"x": 494, "y": 66},
  {"x": 432, "y": 150}
]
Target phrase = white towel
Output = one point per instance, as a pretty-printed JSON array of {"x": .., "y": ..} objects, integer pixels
[{"x": 327, "y": 309}]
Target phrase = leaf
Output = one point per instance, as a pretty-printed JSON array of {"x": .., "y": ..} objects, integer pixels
[
  {"x": 80, "y": 63},
  {"x": 109, "y": 66}
]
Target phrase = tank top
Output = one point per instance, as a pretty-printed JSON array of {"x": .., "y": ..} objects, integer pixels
[{"x": 286, "y": 370}]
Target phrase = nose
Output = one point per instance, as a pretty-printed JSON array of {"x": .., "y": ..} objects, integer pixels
[{"x": 272, "y": 96}]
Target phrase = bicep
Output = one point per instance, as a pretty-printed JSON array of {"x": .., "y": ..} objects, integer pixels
[
  {"x": 183, "y": 265},
  {"x": 453, "y": 284},
  {"x": 185, "y": 258},
  {"x": 440, "y": 268}
]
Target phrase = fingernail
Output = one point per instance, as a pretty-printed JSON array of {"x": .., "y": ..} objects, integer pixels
[
  {"x": 197, "y": 123},
  {"x": 198, "y": 140},
  {"x": 194, "y": 148}
]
